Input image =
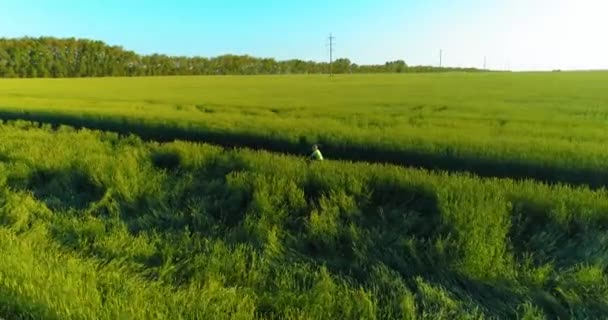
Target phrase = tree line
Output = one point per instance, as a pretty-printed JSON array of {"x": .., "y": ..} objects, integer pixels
[{"x": 49, "y": 57}]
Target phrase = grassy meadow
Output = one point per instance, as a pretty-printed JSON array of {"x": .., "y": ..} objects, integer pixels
[
  {"x": 101, "y": 225},
  {"x": 545, "y": 126}
]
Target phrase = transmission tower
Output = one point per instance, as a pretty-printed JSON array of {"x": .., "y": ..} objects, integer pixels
[{"x": 331, "y": 53}]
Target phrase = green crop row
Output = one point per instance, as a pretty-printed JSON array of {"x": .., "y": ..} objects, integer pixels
[{"x": 95, "y": 226}]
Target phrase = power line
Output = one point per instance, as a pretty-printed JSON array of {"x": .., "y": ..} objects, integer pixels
[{"x": 331, "y": 53}]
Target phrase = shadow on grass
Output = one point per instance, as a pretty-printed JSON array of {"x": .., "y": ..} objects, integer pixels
[
  {"x": 64, "y": 189},
  {"x": 4, "y": 158},
  {"x": 447, "y": 160},
  {"x": 395, "y": 227},
  {"x": 15, "y": 306},
  {"x": 203, "y": 203},
  {"x": 166, "y": 160},
  {"x": 566, "y": 244},
  {"x": 573, "y": 241}
]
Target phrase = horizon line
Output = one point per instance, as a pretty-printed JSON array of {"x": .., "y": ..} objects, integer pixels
[{"x": 124, "y": 48}]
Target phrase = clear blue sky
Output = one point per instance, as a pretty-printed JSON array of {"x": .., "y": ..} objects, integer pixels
[{"x": 515, "y": 34}]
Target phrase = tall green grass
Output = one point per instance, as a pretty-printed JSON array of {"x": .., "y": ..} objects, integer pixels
[
  {"x": 95, "y": 226},
  {"x": 545, "y": 126}
]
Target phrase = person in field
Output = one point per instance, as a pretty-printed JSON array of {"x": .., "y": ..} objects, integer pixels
[{"x": 316, "y": 153}]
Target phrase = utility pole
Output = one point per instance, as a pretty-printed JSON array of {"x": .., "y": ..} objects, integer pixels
[
  {"x": 440, "y": 57},
  {"x": 331, "y": 52},
  {"x": 484, "y": 62}
]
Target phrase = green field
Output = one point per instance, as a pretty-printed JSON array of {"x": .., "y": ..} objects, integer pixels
[
  {"x": 97, "y": 225},
  {"x": 546, "y": 126}
]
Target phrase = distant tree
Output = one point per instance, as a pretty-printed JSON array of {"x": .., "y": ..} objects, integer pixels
[
  {"x": 341, "y": 65},
  {"x": 398, "y": 66},
  {"x": 70, "y": 57}
]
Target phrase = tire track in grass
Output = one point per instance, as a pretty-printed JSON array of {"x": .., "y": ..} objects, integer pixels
[{"x": 449, "y": 160}]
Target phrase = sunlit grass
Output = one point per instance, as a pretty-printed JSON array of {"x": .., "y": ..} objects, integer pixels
[
  {"x": 546, "y": 126},
  {"x": 94, "y": 226}
]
